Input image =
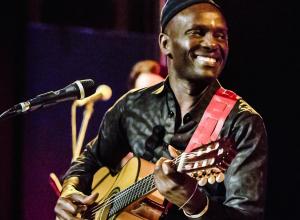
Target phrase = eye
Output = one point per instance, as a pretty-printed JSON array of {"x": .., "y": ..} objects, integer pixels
[
  {"x": 198, "y": 32},
  {"x": 221, "y": 35}
]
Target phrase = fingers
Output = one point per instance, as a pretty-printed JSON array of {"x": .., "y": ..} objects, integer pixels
[
  {"x": 158, "y": 173},
  {"x": 168, "y": 168},
  {"x": 89, "y": 200},
  {"x": 165, "y": 166},
  {"x": 77, "y": 198},
  {"x": 174, "y": 186},
  {"x": 159, "y": 176},
  {"x": 165, "y": 173},
  {"x": 173, "y": 151},
  {"x": 66, "y": 216},
  {"x": 65, "y": 209},
  {"x": 68, "y": 207},
  {"x": 65, "y": 205}
]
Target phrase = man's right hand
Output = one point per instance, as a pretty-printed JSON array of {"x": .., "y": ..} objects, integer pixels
[{"x": 69, "y": 206}]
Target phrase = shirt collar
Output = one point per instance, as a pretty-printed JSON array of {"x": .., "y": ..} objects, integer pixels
[{"x": 165, "y": 86}]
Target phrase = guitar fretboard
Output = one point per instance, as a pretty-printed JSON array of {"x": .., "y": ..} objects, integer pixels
[
  {"x": 132, "y": 193},
  {"x": 206, "y": 157}
]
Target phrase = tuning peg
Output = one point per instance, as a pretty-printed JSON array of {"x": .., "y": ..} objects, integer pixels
[
  {"x": 220, "y": 151},
  {"x": 220, "y": 177},
  {"x": 194, "y": 175},
  {"x": 217, "y": 145},
  {"x": 200, "y": 173},
  {"x": 216, "y": 170},
  {"x": 202, "y": 181},
  {"x": 209, "y": 149},
  {"x": 211, "y": 179},
  {"x": 214, "y": 145}
]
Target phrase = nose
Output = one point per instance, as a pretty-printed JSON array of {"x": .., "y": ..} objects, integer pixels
[{"x": 208, "y": 42}]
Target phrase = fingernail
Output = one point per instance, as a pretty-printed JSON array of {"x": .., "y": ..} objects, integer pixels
[{"x": 165, "y": 169}]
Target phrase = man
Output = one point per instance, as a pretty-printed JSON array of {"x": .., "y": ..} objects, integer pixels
[{"x": 195, "y": 40}]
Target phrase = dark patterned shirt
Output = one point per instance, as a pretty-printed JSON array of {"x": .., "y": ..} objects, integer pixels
[{"x": 145, "y": 121}]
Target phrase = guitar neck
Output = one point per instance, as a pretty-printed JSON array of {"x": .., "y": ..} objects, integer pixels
[
  {"x": 133, "y": 193},
  {"x": 210, "y": 157}
]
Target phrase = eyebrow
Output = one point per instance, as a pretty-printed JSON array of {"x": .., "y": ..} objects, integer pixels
[{"x": 205, "y": 27}]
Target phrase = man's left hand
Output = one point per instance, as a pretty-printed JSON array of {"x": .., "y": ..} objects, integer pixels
[{"x": 177, "y": 187}]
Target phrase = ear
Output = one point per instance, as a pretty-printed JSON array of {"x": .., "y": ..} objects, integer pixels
[{"x": 164, "y": 44}]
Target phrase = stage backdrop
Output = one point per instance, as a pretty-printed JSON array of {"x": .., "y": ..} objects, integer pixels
[{"x": 57, "y": 56}]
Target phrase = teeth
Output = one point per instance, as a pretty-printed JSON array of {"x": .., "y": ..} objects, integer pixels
[{"x": 206, "y": 60}]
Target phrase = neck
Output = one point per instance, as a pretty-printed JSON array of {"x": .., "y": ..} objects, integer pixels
[{"x": 187, "y": 92}]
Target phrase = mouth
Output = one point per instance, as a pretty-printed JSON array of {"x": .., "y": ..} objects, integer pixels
[{"x": 206, "y": 61}]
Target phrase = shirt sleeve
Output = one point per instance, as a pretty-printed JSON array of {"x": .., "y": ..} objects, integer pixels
[{"x": 245, "y": 179}]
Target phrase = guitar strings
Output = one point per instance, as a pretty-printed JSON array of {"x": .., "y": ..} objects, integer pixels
[
  {"x": 104, "y": 205},
  {"x": 175, "y": 160},
  {"x": 109, "y": 201},
  {"x": 119, "y": 195},
  {"x": 115, "y": 199}
]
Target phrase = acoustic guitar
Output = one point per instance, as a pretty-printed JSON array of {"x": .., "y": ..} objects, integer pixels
[{"x": 131, "y": 193}]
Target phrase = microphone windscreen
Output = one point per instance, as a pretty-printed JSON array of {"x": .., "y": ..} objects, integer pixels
[{"x": 105, "y": 90}]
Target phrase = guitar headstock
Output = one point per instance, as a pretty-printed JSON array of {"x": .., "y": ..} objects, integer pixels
[{"x": 208, "y": 162}]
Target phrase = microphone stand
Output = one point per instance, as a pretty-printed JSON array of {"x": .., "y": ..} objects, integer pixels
[
  {"x": 76, "y": 143},
  {"x": 104, "y": 93}
]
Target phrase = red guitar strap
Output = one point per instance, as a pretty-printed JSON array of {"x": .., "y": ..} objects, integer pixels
[
  {"x": 212, "y": 121},
  {"x": 213, "y": 118}
]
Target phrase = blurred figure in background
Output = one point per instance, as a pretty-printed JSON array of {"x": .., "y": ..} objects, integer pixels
[{"x": 144, "y": 73}]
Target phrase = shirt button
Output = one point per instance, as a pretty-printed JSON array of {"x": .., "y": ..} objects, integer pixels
[
  {"x": 187, "y": 118},
  {"x": 171, "y": 114}
]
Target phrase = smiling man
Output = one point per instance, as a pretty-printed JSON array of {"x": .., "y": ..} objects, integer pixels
[
  {"x": 188, "y": 110},
  {"x": 196, "y": 41}
]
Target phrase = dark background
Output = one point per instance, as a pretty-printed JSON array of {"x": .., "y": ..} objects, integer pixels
[{"x": 47, "y": 44}]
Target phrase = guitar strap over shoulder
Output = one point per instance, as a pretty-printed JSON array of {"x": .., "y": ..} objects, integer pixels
[
  {"x": 211, "y": 122},
  {"x": 213, "y": 118}
]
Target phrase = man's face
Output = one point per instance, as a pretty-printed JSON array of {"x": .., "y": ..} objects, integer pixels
[{"x": 198, "y": 43}]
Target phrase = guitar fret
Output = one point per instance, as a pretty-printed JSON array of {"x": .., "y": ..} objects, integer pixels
[
  {"x": 143, "y": 186},
  {"x": 132, "y": 193},
  {"x": 189, "y": 161}
]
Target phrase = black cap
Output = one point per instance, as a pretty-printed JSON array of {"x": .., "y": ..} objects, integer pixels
[{"x": 172, "y": 7}]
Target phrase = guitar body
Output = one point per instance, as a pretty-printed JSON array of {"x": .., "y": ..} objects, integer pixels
[
  {"x": 131, "y": 193},
  {"x": 149, "y": 207}
]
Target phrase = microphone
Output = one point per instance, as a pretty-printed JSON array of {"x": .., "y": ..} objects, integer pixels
[
  {"x": 103, "y": 92},
  {"x": 76, "y": 90}
]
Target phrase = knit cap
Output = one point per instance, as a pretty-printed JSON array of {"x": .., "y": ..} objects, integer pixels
[{"x": 172, "y": 7}]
